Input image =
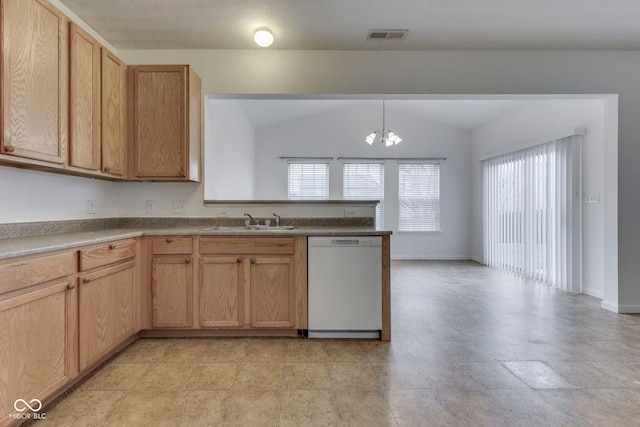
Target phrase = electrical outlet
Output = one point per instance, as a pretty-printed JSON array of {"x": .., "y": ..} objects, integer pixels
[
  {"x": 592, "y": 199},
  {"x": 351, "y": 212},
  {"x": 91, "y": 207},
  {"x": 178, "y": 207},
  {"x": 151, "y": 206},
  {"x": 222, "y": 213}
]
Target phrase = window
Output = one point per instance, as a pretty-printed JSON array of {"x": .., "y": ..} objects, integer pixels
[
  {"x": 419, "y": 197},
  {"x": 308, "y": 180},
  {"x": 365, "y": 181}
]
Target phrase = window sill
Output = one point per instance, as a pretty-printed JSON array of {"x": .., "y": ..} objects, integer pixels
[{"x": 425, "y": 233}]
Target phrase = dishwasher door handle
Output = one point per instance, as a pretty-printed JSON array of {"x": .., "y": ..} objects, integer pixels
[{"x": 345, "y": 241}]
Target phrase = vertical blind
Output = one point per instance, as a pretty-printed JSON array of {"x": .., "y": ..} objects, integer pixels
[
  {"x": 365, "y": 181},
  {"x": 532, "y": 212},
  {"x": 419, "y": 196},
  {"x": 308, "y": 181}
]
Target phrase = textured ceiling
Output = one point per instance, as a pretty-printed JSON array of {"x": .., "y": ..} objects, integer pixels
[{"x": 344, "y": 24}]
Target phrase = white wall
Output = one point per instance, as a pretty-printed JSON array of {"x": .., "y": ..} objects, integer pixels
[
  {"x": 341, "y": 133},
  {"x": 229, "y": 152},
  {"x": 538, "y": 120}
]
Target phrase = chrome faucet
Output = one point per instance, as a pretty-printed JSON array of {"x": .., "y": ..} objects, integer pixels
[
  {"x": 277, "y": 219},
  {"x": 252, "y": 219}
]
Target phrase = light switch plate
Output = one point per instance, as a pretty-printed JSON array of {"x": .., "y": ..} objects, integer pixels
[
  {"x": 151, "y": 206},
  {"x": 178, "y": 207}
]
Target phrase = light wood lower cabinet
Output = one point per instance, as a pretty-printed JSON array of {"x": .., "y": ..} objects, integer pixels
[
  {"x": 106, "y": 299},
  {"x": 273, "y": 293},
  {"x": 37, "y": 347},
  {"x": 172, "y": 289},
  {"x": 221, "y": 295}
]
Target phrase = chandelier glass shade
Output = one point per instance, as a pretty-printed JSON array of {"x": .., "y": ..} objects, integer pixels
[{"x": 387, "y": 137}]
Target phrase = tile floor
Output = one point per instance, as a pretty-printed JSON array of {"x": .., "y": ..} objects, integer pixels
[{"x": 471, "y": 347}]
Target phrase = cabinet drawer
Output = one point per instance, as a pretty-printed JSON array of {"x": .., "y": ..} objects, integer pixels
[
  {"x": 247, "y": 245},
  {"x": 172, "y": 245},
  {"x": 107, "y": 253},
  {"x": 31, "y": 271}
]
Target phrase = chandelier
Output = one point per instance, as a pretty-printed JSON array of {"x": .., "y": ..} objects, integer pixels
[{"x": 387, "y": 137}]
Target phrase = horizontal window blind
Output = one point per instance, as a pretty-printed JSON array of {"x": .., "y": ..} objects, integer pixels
[
  {"x": 308, "y": 181},
  {"x": 365, "y": 181},
  {"x": 419, "y": 197}
]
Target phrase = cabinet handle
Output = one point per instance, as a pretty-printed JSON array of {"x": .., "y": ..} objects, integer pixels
[
  {"x": 86, "y": 280},
  {"x": 188, "y": 261},
  {"x": 107, "y": 168},
  {"x": 168, "y": 240},
  {"x": 8, "y": 148},
  {"x": 71, "y": 285},
  {"x": 239, "y": 260},
  {"x": 253, "y": 261},
  {"x": 112, "y": 246}
]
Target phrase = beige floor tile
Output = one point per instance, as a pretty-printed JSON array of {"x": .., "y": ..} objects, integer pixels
[
  {"x": 414, "y": 408},
  {"x": 597, "y": 407},
  {"x": 145, "y": 351},
  {"x": 306, "y": 376},
  {"x": 82, "y": 408},
  {"x": 259, "y": 376},
  {"x": 186, "y": 351},
  {"x": 195, "y": 408},
  {"x": 475, "y": 408},
  {"x": 308, "y": 408},
  {"x": 140, "y": 408},
  {"x": 363, "y": 408},
  {"x": 225, "y": 350},
  {"x": 116, "y": 376},
  {"x": 406, "y": 376},
  {"x": 537, "y": 375},
  {"x": 255, "y": 408},
  {"x": 352, "y": 376},
  {"x": 306, "y": 351},
  {"x": 530, "y": 409},
  {"x": 345, "y": 351},
  {"x": 213, "y": 376},
  {"x": 166, "y": 376},
  {"x": 266, "y": 350}
]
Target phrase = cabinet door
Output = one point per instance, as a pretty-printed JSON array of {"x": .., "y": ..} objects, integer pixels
[
  {"x": 160, "y": 121},
  {"x": 272, "y": 292},
  {"x": 114, "y": 108},
  {"x": 34, "y": 81},
  {"x": 221, "y": 294},
  {"x": 172, "y": 285},
  {"x": 84, "y": 99},
  {"x": 37, "y": 351},
  {"x": 106, "y": 311}
]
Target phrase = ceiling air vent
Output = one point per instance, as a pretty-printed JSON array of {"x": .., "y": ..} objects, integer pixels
[{"x": 386, "y": 34}]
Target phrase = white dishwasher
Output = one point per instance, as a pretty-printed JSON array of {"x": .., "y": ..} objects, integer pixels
[{"x": 345, "y": 286}]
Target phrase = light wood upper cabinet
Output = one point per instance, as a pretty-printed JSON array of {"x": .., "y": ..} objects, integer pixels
[
  {"x": 114, "y": 108},
  {"x": 97, "y": 140},
  {"x": 84, "y": 99},
  {"x": 34, "y": 81},
  {"x": 166, "y": 129}
]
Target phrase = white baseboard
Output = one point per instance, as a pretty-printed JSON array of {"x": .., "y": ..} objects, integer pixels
[
  {"x": 593, "y": 292},
  {"x": 431, "y": 258},
  {"x": 616, "y": 308},
  {"x": 477, "y": 259}
]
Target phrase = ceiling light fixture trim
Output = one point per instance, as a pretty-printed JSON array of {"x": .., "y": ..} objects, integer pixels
[{"x": 387, "y": 137}]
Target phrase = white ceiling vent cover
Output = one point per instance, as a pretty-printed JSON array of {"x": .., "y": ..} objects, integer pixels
[{"x": 386, "y": 34}]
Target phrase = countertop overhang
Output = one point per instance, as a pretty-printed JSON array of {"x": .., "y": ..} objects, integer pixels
[{"x": 29, "y": 245}]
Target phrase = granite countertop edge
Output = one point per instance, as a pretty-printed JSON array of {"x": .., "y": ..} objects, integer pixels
[{"x": 21, "y": 246}]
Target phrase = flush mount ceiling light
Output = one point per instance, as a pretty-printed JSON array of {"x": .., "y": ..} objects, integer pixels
[
  {"x": 263, "y": 37},
  {"x": 387, "y": 137}
]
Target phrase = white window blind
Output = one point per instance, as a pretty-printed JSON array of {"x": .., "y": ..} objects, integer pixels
[
  {"x": 365, "y": 181},
  {"x": 308, "y": 180},
  {"x": 419, "y": 196},
  {"x": 532, "y": 212}
]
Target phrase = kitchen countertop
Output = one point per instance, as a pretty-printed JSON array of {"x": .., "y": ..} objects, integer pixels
[{"x": 19, "y": 246}]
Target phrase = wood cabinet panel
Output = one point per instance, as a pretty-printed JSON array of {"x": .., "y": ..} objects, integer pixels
[
  {"x": 113, "y": 109},
  {"x": 34, "y": 81},
  {"x": 172, "y": 245},
  {"x": 221, "y": 295},
  {"x": 37, "y": 351},
  {"x": 172, "y": 292},
  {"x": 166, "y": 126},
  {"x": 248, "y": 245},
  {"x": 26, "y": 272},
  {"x": 84, "y": 99},
  {"x": 106, "y": 311},
  {"x": 272, "y": 293},
  {"x": 107, "y": 253}
]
